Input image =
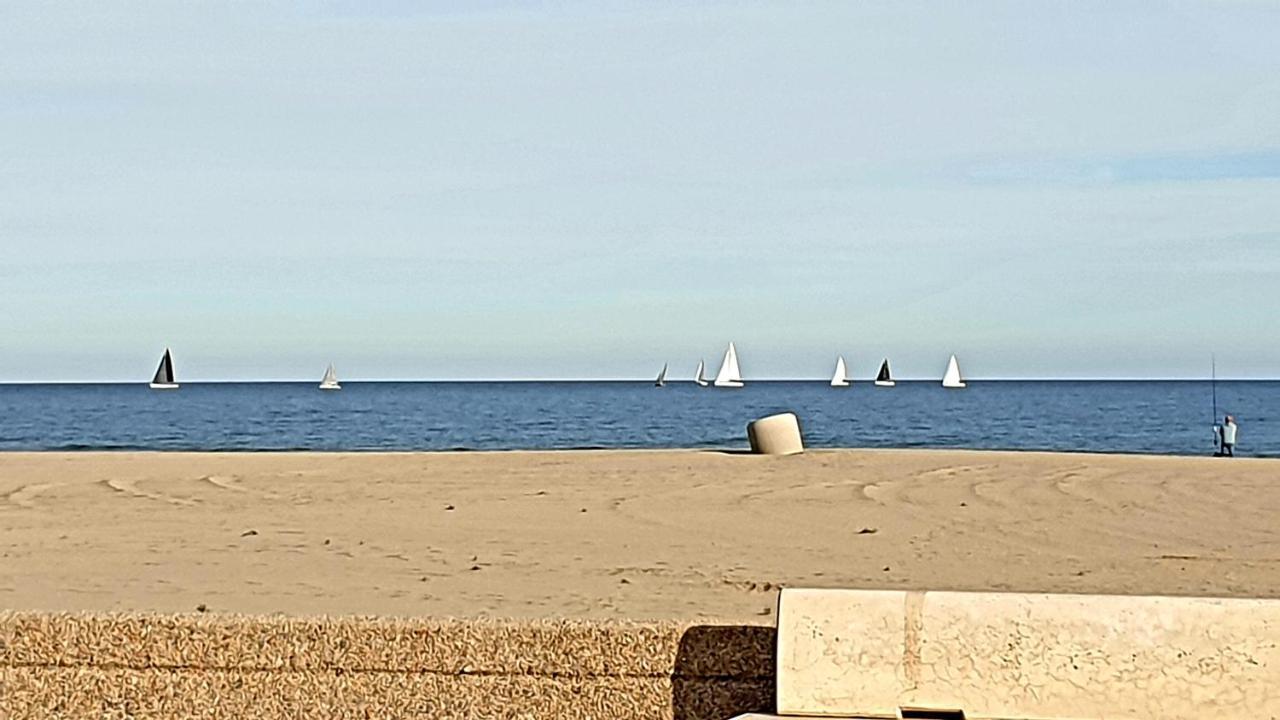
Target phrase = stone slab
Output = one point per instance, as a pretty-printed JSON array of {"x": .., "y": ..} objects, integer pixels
[{"x": 850, "y": 653}]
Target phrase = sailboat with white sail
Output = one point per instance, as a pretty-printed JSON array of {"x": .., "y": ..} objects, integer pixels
[
  {"x": 662, "y": 377},
  {"x": 164, "y": 379},
  {"x": 841, "y": 376},
  {"x": 883, "y": 378},
  {"x": 730, "y": 375},
  {"x": 330, "y": 379},
  {"x": 951, "y": 379},
  {"x": 700, "y": 376}
]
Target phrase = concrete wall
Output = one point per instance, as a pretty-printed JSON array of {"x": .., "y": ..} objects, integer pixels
[
  {"x": 867, "y": 653},
  {"x": 209, "y": 666}
]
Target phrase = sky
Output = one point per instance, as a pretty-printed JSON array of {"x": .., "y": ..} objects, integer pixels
[{"x": 589, "y": 190}]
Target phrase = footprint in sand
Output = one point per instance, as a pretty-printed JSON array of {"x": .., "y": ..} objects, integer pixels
[
  {"x": 751, "y": 585},
  {"x": 130, "y": 488},
  {"x": 639, "y": 570},
  {"x": 229, "y": 483},
  {"x": 24, "y": 496}
]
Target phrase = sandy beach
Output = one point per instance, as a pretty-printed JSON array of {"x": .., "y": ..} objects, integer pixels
[{"x": 643, "y": 535}]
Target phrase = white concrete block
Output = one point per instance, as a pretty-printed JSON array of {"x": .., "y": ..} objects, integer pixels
[
  {"x": 850, "y": 653},
  {"x": 776, "y": 435}
]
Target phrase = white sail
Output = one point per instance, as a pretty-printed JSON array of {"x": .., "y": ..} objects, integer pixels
[
  {"x": 330, "y": 380},
  {"x": 951, "y": 379},
  {"x": 700, "y": 377},
  {"x": 734, "y": 370},
  {"x": 662, "y": 377},
  {"x": 841, "y": 376},
  {"x": 730, "y": 374},
  {"x": 164, "y": 378}
]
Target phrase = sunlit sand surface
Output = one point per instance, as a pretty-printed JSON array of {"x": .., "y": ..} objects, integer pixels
[{"x": 646, "y": 534}]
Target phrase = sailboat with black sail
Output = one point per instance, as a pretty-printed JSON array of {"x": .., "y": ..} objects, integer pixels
[
  {"x": 164, "y": 379},
  {"x": 883, "y": 378}
]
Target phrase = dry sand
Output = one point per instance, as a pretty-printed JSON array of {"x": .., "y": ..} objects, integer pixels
[{"x": 666, "y": 534}]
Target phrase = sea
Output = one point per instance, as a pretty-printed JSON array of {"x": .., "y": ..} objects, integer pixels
[{"x": 1156, "y": 417}]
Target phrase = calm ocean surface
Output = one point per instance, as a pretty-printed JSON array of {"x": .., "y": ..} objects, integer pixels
[{"x": 1128, "y": 417}]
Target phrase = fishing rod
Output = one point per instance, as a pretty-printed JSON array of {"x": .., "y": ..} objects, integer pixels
[{"x": 1213, "y": 384}]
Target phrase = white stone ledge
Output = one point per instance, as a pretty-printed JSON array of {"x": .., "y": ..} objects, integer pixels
[{"x": 850, "y": 653}]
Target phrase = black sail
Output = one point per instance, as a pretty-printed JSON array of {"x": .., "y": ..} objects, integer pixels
[
  {"x": 884, "y": 372},
  {"x": 164, "y": 373}
]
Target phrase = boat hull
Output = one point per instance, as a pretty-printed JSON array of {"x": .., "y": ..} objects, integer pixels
[
  {"x": 334, "y": 386},
  {"x": 729, "y": 384},
  {"x": 885, "y": 383},
  {"x": 954, "y": 386},
  {"x": 164, "y": 386},
  {"x": 839, "y": 383}
]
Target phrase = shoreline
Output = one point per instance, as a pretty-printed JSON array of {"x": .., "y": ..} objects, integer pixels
[
  {"x": 616, "y": 534},
  {"x": 726, "y": 450}
]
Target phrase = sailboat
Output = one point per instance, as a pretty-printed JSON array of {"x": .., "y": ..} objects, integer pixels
[
  {"x": 330, "y": 379},
  {"x": 951, "y": 379},
  {"x": 662, "y": 377},
  {"x": 699, "y": 377},
  {"x": 164, "y": 374},
  {"x": 841, "y": 376},
  {"x": 884, "y": 379},
  {"x": 730, "y": 376}
]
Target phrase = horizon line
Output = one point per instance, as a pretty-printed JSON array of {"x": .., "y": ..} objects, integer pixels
[{"x": 676, "y": 381}]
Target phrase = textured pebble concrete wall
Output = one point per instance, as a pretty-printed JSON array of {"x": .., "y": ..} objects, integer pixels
[{"x": 208, "y": 666}]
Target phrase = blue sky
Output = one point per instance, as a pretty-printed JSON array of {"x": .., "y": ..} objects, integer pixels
[{"x": 476, "y": 190}]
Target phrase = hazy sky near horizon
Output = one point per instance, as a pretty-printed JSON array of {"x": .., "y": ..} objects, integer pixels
[{"x": 492, "y": 189}]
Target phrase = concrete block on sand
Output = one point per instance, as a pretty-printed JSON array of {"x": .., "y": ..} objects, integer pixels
[
  {"x": 1008, "y": 655},
  {"x": 775, "y": 435}
]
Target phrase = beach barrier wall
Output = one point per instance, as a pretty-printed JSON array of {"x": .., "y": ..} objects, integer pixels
[
  {"x": 209, "y": 666},
  {"x": 854, "y": 653}
]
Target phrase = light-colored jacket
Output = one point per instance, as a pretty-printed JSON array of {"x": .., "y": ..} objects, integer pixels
[{"x": 1229, "y": 434}]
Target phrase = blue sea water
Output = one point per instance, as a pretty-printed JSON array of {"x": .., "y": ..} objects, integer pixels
[{"x": 1164, "y": 417}]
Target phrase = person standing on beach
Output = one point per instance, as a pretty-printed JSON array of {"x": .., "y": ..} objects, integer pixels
[{"x": 1227, "y": 431}]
